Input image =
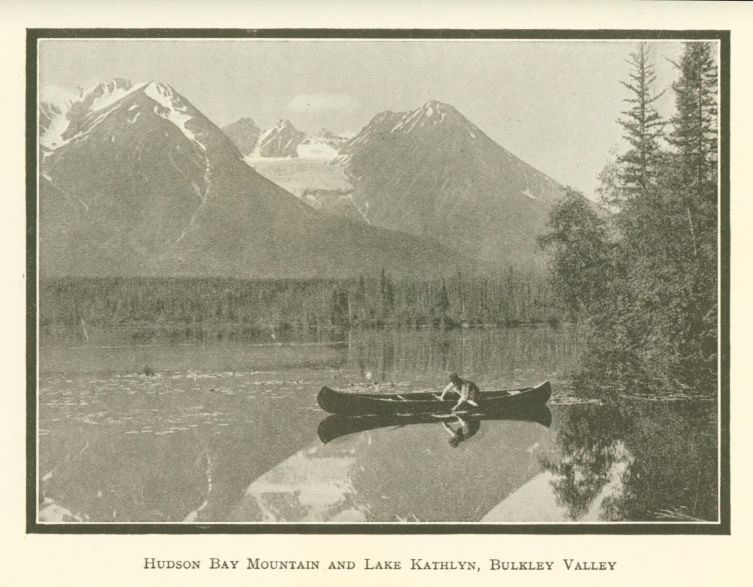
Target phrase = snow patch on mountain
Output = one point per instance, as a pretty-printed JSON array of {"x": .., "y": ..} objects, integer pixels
[
  {"x": 60, "y": 97},
  {"x": 281, "y": 140},
  {"x": 105, "y": 94},
  {"x": 316, "y": 148},
  {"x": 302, "y": 174},
  {"x": 55, "y": 138},
  {"x": 376, "y": 124},
  {"x": 54, "y": 104},
  {"x": 52, "y": 137},
  {"x": 62, "y": 107},
  {"x": 172, "y": 108},
  {"x": 432, "y": 113}
]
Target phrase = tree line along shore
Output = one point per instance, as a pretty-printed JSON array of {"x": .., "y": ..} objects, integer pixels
[{"x": 508, "y": 298}]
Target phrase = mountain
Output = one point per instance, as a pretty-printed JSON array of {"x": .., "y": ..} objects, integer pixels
[
  {"x": 281, "y": 140},
  {"x": 429, "y": 172},
  {"x": 53, "y": 104},
  {"x": 309, "y": 171},
  {"x": 244, "y": 133},
  {"x": 433, "y": 173},
  {"x": 135, "y": 180}
]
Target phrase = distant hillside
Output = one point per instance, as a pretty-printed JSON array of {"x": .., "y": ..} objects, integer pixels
[{"x": 244, "y": 134}]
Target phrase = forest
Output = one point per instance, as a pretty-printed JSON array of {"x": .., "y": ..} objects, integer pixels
[
  {"x": 511, "y": 297},
  {"x": 641, "y": 278}
]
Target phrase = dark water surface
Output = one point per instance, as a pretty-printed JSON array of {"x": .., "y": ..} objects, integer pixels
[{"x": 228, "y": 430}]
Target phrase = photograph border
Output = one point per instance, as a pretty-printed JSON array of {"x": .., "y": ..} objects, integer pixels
[{"x": 722, "y": 527}]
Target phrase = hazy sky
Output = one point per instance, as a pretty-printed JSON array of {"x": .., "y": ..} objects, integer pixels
[{"x": 552, "y": 103}]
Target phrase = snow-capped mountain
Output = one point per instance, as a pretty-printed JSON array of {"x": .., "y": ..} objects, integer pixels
[
  {"x": 54, "y": 104},
  {"x": 303, "y": 164},
  {"x": 429, "y": 172},
  {"x": 137, "y": 181},
  {"x": 281, "y": 140},
  {"x": 61, "y": 112},
  {"x": 433, "y": 173}
]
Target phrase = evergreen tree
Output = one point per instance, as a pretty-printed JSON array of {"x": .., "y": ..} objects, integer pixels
[
  {"x": 654, "y": 310},
  {"x": 642, "y": 126},
  {"x": 695, "y": 138},
  {"x": 443, "y": 303},
  {"x": 694, "y": 133}
]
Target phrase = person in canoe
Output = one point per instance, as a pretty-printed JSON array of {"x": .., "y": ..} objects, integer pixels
[
  {"x": 467, "y": 390},
  {"x": 462, "y": 429}
]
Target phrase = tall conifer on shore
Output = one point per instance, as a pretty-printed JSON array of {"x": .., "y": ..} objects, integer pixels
[
  {"x": 642, "y": 126},
  {"x": 644, "y": 285},
  {"x": 695, "y": 138},
  {"x": 694, "y": 132}
]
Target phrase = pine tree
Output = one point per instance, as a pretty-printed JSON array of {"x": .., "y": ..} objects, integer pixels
[
  {"x": 694, "y": 133},
  {"x": 642, "y": 126},
  {"x": 647, "y": 291},
  {"x": 695, "y": 138}
]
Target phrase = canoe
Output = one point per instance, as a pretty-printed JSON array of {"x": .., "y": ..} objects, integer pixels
[
  {"x": 339, "y": 402},
  {"x": 337, "y": 425}
]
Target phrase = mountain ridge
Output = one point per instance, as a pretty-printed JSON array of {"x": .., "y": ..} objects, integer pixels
[
  {"x": 147, "y": 185},
  {"x": 429, "y": 172}
]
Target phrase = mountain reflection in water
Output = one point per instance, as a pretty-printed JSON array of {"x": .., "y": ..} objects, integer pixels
[
  {"x": 229, "y": 432},
  {"x": 403, "y": 473}
]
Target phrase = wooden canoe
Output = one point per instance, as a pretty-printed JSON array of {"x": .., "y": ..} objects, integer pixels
[
  {"x": 337, "y": 425},
  {"x": 338, "y": 402}
]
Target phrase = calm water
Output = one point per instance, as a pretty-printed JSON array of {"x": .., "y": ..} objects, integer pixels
[{"x": 228, "y": 430}]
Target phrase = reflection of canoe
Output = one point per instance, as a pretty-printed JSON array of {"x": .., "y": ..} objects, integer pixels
[
  {"x": 340, "y": 425},
  {"x": 338, "y": 402}
]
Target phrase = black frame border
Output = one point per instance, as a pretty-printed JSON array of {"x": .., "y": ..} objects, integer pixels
[{"x": 723, "y": 527}]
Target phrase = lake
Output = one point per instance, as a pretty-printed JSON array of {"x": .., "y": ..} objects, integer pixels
[{"x": 217, "y": 427}]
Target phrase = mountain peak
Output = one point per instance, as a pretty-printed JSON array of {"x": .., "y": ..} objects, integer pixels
[
  {"x": 245, "y": 121},
  {"x": 281, "y": 140},
  {"x": 433, "y": 107},
  {"x": 65, "y": 114},
  {"x": 432, "y": 113},
  {"x": 160, "y": 92},
  {"x": 109, "y": 86},
  {"x": 170, "y": 101},
  {"x": 244, "y": 133},
  {"x": 104, "y": 94}
]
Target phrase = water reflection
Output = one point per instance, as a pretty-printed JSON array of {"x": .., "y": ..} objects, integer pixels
[
  {"x": 334, "y": 426},
  {"x": 461, "y": 429},
  {"x": 401, "y": 473},
  {"x": 639, "y": 461},
  {"x": 228, "y": 432},
  {"x": 510, "y": 354},
  {"x": 499, "y": 356}
]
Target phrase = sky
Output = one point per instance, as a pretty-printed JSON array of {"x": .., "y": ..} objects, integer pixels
[{"x": 554, "y": 104}]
